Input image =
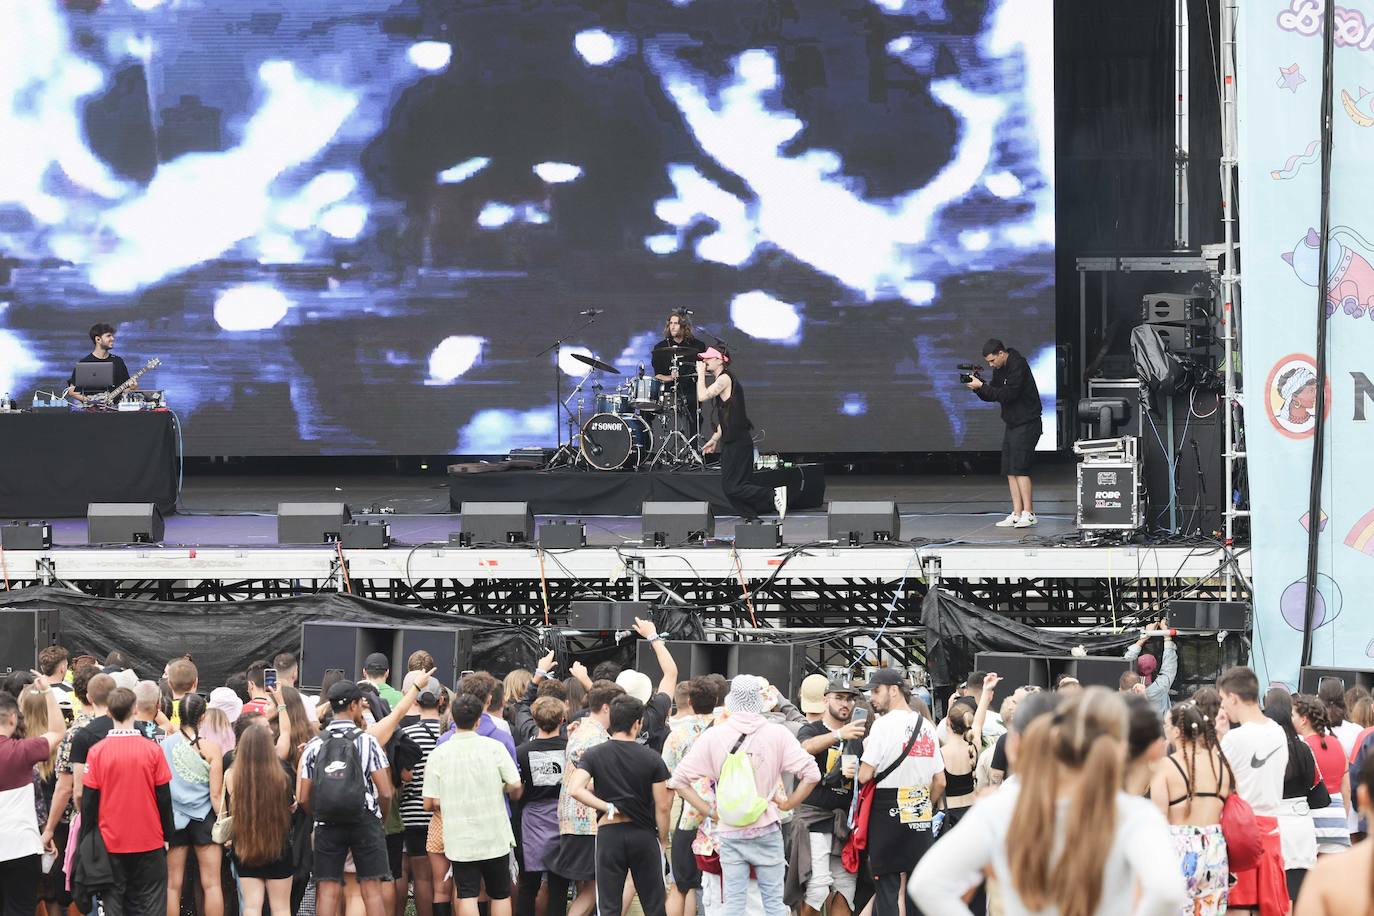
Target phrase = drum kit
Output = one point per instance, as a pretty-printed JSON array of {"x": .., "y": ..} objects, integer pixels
[{"x": 639, "y": 424}]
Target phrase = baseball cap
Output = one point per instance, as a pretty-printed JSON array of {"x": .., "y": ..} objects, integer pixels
[
  {"x": 886, "y": 677},
  {"x": 377, "y": 663},
  {"x": 344, "y": 694},
  {"x": 840, "y": 682},
  {"x": 636, "y": 684},
  {"x": 811, "y": 696},
  {"x": 713, "y": 353},
  {"x": 430, "y": 691}
]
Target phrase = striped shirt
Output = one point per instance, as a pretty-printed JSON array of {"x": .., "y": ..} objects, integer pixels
[
  {"x": 413, "y": 814},
  {"x": 370, "y": 756}
]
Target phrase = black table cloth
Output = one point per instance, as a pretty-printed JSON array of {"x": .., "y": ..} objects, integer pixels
[{"x": 52, "y": 464}]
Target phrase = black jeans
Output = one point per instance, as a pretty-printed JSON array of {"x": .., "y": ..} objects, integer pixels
[
  {"x": 748, "y": 499},
  {"x": 527, "y": 889},
  {"x": 19, "y": 886},
  {"x": 140, "y": 884},
  {"x": 623, "y": 849}
]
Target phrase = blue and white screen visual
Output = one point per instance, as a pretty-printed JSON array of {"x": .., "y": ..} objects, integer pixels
[{"x": 351, "y": 226}]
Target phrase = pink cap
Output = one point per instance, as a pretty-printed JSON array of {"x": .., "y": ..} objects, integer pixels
[{"x": 713, "y": 353}]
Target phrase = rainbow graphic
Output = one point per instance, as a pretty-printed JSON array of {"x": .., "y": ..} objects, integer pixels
[{"x": 1361, "y": 537}]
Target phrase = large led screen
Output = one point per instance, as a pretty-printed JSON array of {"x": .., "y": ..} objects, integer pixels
[{"x": 351, "y": 226}]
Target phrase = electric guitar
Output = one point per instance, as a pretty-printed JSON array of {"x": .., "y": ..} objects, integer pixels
[{"x": 107, "y": 398}]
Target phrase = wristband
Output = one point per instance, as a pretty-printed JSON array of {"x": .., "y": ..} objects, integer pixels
[
  {"x": 281, "y": 708},
  {"x": 611, "y": 810},
  {"x": 540, "y": 673},
  {"x": 654, "y": 638}
]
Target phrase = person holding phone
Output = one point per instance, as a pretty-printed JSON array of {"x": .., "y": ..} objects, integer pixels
[
  {"x": 259, "y": 693},
  {"x": 827, "y": 740}
]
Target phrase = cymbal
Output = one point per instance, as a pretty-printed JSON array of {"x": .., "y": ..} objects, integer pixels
[
  {"x": 595, "y": 363},
  {"x": 676, "y": 350}
]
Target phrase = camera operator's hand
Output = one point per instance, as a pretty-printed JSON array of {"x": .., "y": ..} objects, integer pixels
[{"x": 974, "y": 384}]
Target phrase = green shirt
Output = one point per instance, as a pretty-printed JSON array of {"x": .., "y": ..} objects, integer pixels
[
  {"x": 389, "y": 693},
  {"x": 468, "y": 774}
]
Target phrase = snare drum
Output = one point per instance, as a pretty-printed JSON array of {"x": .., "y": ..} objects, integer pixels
[
  {"x": 645, "y": 393},
  {"x": 615, "y": 402}
]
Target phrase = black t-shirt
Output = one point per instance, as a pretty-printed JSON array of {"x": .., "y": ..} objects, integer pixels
[
  {"x": 88, "y": 737},
  {"x": 687, "y": 367},
  {"x": 833, "y": 791},
  {"x": 624, "y": 774},
  {"x": 121, "y": 372},
  {"x": 653, "y": 731},
  {"x": 999, "y": 755},
  {"x": 733, "y": 414},
  {"x": 541, "y": 762}
]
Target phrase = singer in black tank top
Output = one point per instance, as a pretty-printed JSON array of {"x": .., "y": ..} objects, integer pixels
[{"x": 732, "y": 440}]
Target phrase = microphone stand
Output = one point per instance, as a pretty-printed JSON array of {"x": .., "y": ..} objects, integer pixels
[{"x": 556, "y": 348}]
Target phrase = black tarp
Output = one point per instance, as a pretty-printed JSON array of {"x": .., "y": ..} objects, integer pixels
[
  {"x": 224, "y": 637},
  {"x": 957, "y": 630}
]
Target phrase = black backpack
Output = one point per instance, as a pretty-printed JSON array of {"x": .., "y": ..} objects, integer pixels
[{"x": 339, "y": 793}]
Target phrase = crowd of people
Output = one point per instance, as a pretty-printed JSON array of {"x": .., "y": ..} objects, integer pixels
[{"x": 539, "y": 796}]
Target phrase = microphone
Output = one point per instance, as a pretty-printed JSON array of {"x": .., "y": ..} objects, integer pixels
[{"x": 590, "y": 313}]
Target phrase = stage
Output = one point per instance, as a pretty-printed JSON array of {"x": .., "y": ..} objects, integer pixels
[{"x": 222, "y": 546}]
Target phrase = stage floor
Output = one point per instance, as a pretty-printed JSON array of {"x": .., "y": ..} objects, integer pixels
[{"x": 222, "y": 510}]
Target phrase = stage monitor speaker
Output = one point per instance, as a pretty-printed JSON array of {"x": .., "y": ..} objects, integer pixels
[
  {"x": 311, "y": 523},
  {"x": 23, "y": 634},
  {"x": 713, "y": 658},
  {"x": 758, "y": 535},
  {"x": 780, "y": 664},
  {"x": 672, "y": 524},
  {"x": 1208, "y": 615},
  {"x": 26, "y": 536},
  {"x": 682, "y": 651},
  {"x": 123, "y": 523},
  {"x": 337, "y": 644},
  {"x": 366, "y": 535},
  {"x": 562, "y": 536},
  {"x": 1311, "y": 676},
  {"x": 1017, "y": 670},
  {"x": 864, "y": 522},
  {"x": 1091, "y": 670},
  {"x": 607, "y": 616},
  {"x": 487, "y": 524}
]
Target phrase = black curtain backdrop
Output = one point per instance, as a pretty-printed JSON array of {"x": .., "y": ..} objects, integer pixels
[{"x": 1114, "y": 138}]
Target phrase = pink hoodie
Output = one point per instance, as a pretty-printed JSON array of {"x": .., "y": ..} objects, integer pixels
[{"x": 772, "y": 749}]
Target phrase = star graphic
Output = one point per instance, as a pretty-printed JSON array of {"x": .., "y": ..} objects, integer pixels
[{"x": 1290, "y": 78}]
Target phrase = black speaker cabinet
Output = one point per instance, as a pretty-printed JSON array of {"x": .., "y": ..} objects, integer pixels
[
  {"x": 123, "y": 523},
  {"x": 485, "y": 524},
  {"x": 562, "y": 535},
  {"x": 671, "y": 524},
  {"x": 758, "y": 535},
  {"x": 1208, "y": 615},
  {"x": 26, "y": 536},
  {"x": 607, "y": 616},
  {"x": 1091, "y": 670},
  {"x": 329, "y": 644},
  {"x": 1311, "y": 676},
  {"x": 23, "y": 634},
  {"x": 1016, "y": 670},
  {"x": 311, "y": 523},
  {"x": 682, "y": 651},
  {"x": 864, "y": 522},
  {"x": 366, "y": 535},
  {"x": 779, "y": 663}
]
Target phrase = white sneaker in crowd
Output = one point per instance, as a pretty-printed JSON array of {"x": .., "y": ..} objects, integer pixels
[
  {"x": 1027, "y": 520},
  {"x": 780, "y": 501},
  {"x": 1009, "y": 521}
]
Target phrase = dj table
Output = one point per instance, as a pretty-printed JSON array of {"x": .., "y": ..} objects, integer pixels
[{"x": 54, "y": 462}]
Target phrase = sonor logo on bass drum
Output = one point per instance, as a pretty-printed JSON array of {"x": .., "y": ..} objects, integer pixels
[{"x": 605, "y": 426}]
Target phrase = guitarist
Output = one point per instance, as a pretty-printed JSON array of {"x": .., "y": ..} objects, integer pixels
[{"x": 103, "y": 341}]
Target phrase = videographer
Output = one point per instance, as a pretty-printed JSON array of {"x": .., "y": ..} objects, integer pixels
[{"x": 1012, "y": 386}]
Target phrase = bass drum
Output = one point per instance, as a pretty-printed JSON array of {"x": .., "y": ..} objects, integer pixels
[{"x": 612, "y": 442}]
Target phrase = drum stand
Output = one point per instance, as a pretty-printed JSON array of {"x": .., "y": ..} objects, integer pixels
[
  {"x": 569, "y": 454},
  {"x": 685, "y": 451}
]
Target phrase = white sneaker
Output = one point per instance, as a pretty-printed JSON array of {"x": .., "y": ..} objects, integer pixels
[
  {"x": 1009, "y": 521},
  {"x": 1027, "y": 520},
  {"x": 780, "y": 502}
]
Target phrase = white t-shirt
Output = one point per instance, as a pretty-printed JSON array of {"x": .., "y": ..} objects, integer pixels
[
  {"x": 889, "y": 735},
  {"x": 1347, "y": 733},
  {"x": 1258, "y": 754},
  {"x": 1141, "y": 876}
]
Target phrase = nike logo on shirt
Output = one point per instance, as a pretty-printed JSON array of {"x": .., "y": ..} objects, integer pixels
[{"x": 1256, "y": 761}]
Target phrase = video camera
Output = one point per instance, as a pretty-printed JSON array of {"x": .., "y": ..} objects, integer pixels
[{"x": 967, "y": 371}]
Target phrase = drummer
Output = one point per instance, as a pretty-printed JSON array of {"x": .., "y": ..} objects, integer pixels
[{"x": 678, "y": 334}]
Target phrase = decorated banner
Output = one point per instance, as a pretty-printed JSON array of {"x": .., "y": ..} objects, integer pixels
[{"x": 1280, "y": 95}]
